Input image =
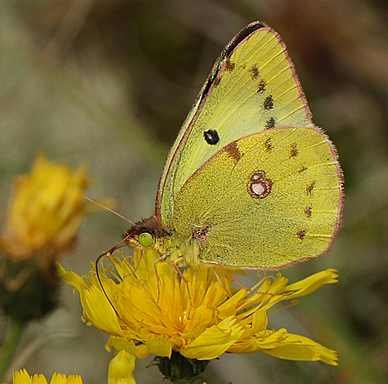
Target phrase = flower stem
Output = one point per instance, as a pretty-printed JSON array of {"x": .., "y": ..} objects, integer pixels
[{"x": 15, "y": 332}]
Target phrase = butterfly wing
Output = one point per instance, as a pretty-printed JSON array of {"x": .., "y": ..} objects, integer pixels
[
  {"x": 263, "y": 201},
  {"x": 253, "y": 86}
]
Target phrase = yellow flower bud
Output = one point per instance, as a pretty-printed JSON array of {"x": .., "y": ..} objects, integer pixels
[
  {"x": 43, "y": 218},
  {"x": 45, "y": 213}
]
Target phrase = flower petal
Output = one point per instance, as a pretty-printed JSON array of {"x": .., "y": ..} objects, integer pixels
[
  {"x": 214, "y": 341},
  {"x": 120, "y": 343},
  {"x": 312, "y": 283},
  {"x": 121, "y": 369},
  {"x": 301, "y": 348},
  {"x": 159, "y": 345}
]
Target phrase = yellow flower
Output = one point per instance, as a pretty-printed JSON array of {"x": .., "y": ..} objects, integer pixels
[
  {"x": 22, "y": 377},
  {"x": 45, "y": 213},
  {"x": 200, "y": 316},
  {"x": 42, "y": 221},
  {"x": 120, "y": 372}
]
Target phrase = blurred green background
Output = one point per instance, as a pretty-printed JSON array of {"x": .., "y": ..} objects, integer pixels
[{"x": 109, "y": 82}]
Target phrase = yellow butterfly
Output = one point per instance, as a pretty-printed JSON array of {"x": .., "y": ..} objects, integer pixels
[{"x": 250, "y": 182}]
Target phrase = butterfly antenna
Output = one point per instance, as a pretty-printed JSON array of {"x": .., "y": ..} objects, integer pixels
[{"x": 109, "y": 209}]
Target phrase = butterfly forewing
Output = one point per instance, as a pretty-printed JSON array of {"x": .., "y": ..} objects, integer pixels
[
  {"x": 264, "y": 201},
  {"x": 253, "y": 87}
]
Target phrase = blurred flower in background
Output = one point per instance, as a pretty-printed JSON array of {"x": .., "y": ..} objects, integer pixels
[
  {"x": 120, "y": 372},
  {"x": 45, "y": 212},
  {"x": 44, "y": 215},
  {"x": 22, "y": 377}
]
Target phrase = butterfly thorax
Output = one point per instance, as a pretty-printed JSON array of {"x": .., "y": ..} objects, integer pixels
[{"x": 178, "y": 249}]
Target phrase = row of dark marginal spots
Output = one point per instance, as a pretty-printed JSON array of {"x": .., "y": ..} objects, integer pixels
[{"x": 309, "y": 190}]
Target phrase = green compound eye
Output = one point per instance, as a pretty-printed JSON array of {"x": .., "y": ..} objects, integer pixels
[{"x": 145, "y": 239}]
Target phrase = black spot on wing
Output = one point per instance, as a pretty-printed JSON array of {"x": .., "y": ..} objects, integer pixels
[{"x": 211, "y": 137}]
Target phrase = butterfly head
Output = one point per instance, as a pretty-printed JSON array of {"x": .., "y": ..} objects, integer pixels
[{"x": 146, "y": 233}]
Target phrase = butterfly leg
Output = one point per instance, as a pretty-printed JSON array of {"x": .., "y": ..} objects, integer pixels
[
  {"x": 214, "y": 263},
  {"x": 220, "y": 281},
  {"x": 137, "y": 264},
  {"x": 179, "y": 273},
  {"x": 226, "y": 273},
  {"x": 156, "y": 262}
]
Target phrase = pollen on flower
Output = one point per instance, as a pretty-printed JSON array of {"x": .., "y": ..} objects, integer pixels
[{"x": 200, "y": 318}]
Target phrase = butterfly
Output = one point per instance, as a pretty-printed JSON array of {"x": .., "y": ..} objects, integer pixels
[{"x": 250, "y": 181}]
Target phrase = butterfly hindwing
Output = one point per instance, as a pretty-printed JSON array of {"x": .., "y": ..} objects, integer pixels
[
  {"x": 252, "y": 87},
  {"x": 264, "y": 201}
]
